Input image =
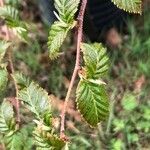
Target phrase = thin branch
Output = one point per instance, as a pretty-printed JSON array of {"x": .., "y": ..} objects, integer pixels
[
  {"x": 76, "y": 68},
  {"x": 11, "y": 70}
]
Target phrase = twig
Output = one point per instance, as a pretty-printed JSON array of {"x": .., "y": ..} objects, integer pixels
[
  {"x": 76, "y": 68},
  {"x": 11, "y": 70}
]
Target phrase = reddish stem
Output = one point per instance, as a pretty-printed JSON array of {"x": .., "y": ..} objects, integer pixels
[{"x": 76, "y": 68}]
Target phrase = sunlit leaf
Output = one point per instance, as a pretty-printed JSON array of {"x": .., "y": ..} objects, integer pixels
[{"x": 133, "y": 6}]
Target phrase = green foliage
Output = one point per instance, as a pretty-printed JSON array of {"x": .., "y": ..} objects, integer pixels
[
  {"x": 11, "y": 16},
  {"x": 21, "y": 80},
  {"x": 129, "y": 102},
  {"x": 12, "y": 2},
  {"x": 91, "y": 97},
  {"x": 92, "y": 102},
  {"x": 57, "y": 34},
  {"x": 8, "y": 11},
  {"x": 7, "y": 122},
  {"x": 133, "y": 6},
  {"x": 96, "y": 60},
  {"x": 3, "y": 82},
  {"x": 3, "y": 47},
  {"x": 19, "y": 140},
  {"x": 36, "y": 99},
  {"x": 59, "y": 30},
  {"x": 66, "y": 9},
  {"x": 47, "y": 141}
]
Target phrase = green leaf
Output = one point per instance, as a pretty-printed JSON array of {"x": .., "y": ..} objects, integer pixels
[
  {"x": 67, "y": 9},
  {"x": 129, "y": 102},
  {"x": 96, "y": 60},
  {"x": 18, "y": 140},
  {"x": 47, "y": 141},
  {"x": 3, "y": 82},
  {"x": 132, "y": 6},
  {"x": 57, "y": 35},
  {"x": 3, "y": 47},
  {"x": 21, "y": 80},
  {"x": 36, "y": 99},
  {"x": 92, "y": 102},
  {"x": 11, "y": 16},
  {"x": 8, "y": 11},
  {"x": 7, "y": 120}
]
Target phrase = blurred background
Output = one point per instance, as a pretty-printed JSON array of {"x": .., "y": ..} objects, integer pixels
[{"x": 127, "y": 38}]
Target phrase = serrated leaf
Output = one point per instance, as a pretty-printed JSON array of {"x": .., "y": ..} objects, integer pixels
[
  {"x": 46, "y": 141},
  {"x": 21, "y": 80},
  {"x": 19, "y": 28},
  {"x": 96, "y": 60},
  {"x": 7, "y": 120},
  {"x": 67, "y": 9},
  {"x": 8, "y": 11},
  {"x": 3, "y": 82},
  {"x": 11, "y": 2},
  {"x": 92, "y": 102},
  {"x": 132, "y": 6},
  {"x": 11, "y": 16},
  {"x": 19, "y": 140},
  {"x": 36, "y": 99},
  {"x": 57, "y": 35},
  {"x": 3, "y": 47}
]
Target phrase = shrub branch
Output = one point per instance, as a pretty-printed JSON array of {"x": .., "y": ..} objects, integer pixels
[
  {"x": 76, "y": 68},
  {"x": 11, "y": 71}
]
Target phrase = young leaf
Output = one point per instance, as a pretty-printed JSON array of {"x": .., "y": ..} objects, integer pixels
[
  {"x": 47, "y": 141},
  {"x": 7, "y": 120},
  {"x": 133, "y": 6},
  {"x": 3, "y": 82},
  {"x": 67, "y": 9},
  {"x": 57, "y": 35},
  {"x": 3, "y": 47},
  {"x": 8, "y": 11},
  {"x": 96, "y": 60},
  {"x": 92, "y": 102},
  {"x": 21, "y": 80},
  {"x": 18, "y": 140},
  {"x": 36, "y": 99},
  {"x": 11, "y": 16}
]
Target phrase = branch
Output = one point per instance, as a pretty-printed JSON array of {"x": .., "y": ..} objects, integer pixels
[
  {"x": 76, "y": 68},
  {"x": 11, "y": 70}
]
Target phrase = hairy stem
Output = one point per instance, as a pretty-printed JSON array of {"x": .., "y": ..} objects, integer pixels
[
  {"x": 77, "y": 65},
  {"x": 11, "y": 70}
]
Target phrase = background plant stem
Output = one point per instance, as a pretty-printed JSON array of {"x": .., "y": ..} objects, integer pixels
[{"x": 11, "y": 71}]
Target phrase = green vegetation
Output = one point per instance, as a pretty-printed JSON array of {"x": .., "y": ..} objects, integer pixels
[{"x": 121, "y": 123}]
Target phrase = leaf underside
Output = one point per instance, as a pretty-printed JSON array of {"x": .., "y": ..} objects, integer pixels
[
  {"x": 132, "y": 6},
  {"x": 92, "y": 102}
]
